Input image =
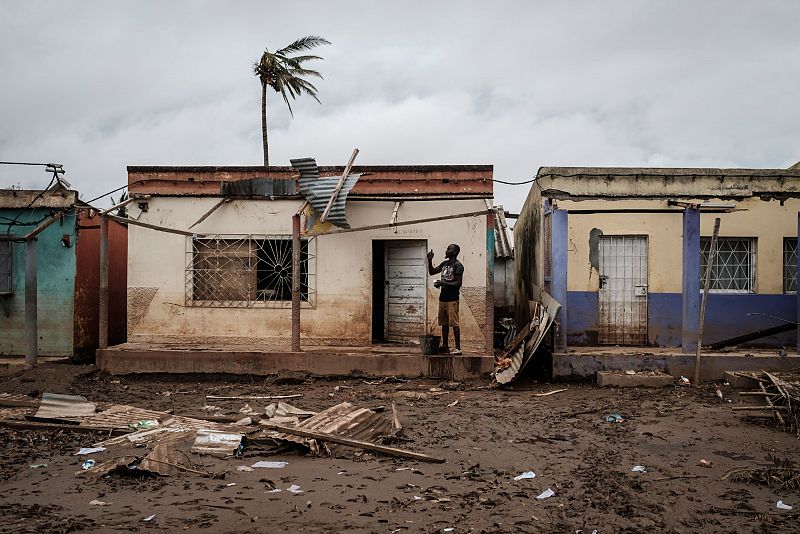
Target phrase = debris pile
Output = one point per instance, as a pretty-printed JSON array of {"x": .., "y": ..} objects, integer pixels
[
  {"x": 519, "y": 352},
  {"x": 149, "y": 442},
  {"x": 781, "y": 397},
  {"x": 781, "y": 474}
]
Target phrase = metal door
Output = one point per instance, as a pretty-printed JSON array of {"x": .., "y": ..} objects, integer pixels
[
  {"x": 623, "y": 290},
  {"x": 406, "y": 281}
]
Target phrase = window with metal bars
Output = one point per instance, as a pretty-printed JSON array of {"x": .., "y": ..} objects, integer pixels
[
  {"x": 245, "y": 271},
  {"x": 790, "y": 265},
  {"x": 5, "y": 268},
  {"x": 734, "y": 268}
]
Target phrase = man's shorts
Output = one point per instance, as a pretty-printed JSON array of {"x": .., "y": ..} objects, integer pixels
[{"x": 448, "y": 313}]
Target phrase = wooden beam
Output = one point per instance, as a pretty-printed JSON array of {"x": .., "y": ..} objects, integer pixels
[
  {"x": 341, "y": 440},
  {"x": 402, "y": 223},
  {"x": 339, "y": 186},
  {"x": 39, "y": 229},
  {"x": 207, "y": 214},
  {"x": 123, "y": 204},
  {"x": 712, "y": 254},
  {"x": 27, "y": 425},
  {"x": 134, "y": 222}
]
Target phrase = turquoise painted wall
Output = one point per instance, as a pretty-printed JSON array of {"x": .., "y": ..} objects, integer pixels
[{"x": 56, "y": 287}]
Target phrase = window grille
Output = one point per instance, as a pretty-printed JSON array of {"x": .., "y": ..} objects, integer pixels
[
  {"x": 734, "y": 269},
  {"x": 5, "y": 268},
  {"x": 247, "y": 271},
  {"x": 790, "y": 265}
]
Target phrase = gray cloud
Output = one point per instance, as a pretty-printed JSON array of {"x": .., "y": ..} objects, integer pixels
[{"x": 101, "y": 85}]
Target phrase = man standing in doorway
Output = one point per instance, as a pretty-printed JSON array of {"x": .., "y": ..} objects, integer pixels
[{"x": 449, "y": 285}]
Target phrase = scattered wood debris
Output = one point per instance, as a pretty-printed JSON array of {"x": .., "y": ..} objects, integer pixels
[
  {"x": 783, "y": 474},
  {"x": 781, "y": 397}
]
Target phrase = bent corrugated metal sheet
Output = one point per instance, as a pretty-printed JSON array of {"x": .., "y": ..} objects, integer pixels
[{"x": 318, "y": 190}]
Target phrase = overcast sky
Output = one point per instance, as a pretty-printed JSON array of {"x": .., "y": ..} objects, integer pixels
[{"x": 101, "y": 85}]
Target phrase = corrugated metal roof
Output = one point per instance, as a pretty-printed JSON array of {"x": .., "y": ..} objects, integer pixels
[
  {"x": 259, "y": 187},
  {"x": 318, "y": 191},
  {"x": 57, "y": 406},
  {"x": 503, "y": 239}
]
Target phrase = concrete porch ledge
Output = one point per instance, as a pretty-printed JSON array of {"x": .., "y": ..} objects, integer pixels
[
  {"x": 403, "y": 361},
  {"x": 583, "y": 363}
]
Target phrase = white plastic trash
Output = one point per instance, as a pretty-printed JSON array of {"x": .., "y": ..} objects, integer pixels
[
  {"x": 639, "y": 469},
  {"x": 783, "y": 506},
  {"x": 546, "y": 494},
  {"x": 89, "y": 450},
  {"x": 526, "y": 474},
  {"x": 270, "y": 465}
]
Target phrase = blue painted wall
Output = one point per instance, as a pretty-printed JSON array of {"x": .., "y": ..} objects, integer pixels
[
  {"x": 56, "y": 287},
  {"x": 726, "y": 317}
]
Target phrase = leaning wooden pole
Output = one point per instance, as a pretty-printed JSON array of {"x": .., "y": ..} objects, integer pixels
[
  {"x": 709, "y": 266},
  {"x": 296, "y": 283},
  {"x": 489, "y": 332},
  {"x": 103, "y": 300}
]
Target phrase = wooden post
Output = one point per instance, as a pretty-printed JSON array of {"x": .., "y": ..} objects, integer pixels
[
  {"x": 296, "y": 283},
  {"x": 489, "y": 340},
  {"x": 710, "y": 265},
  {"x": 339, "y": 186},
  {"x": 31, "y": 314},
  {"x": 103, "y": 298}
]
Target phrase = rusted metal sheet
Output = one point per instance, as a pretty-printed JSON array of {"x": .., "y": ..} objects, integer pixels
[
  {"x": 318, "y": 190},
  {"x": 57, "y": 406},
  {"x": 121, "y": 416},
  {"x": 381, "y": 180}
]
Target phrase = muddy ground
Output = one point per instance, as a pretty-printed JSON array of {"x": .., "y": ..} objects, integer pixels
[{"x": 487, "y": 438}]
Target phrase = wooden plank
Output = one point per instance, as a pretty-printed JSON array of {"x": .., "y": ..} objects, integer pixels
[
  {"x": 711, "y": 257},
  {"x": 134, "y": 222},
  {"x": 26, "y": 425},
  {"x": 341, "y": 440}
]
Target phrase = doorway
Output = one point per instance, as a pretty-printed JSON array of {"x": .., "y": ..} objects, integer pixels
[
  {"x": 623, "y": 290},
  {"x": 399, "y": 290}
]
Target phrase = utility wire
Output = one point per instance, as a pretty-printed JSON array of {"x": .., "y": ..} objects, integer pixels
[
  {"x": 515, "y": 183},
  {"x": 24, "y": 163}
]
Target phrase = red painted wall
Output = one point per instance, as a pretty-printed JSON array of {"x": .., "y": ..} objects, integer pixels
[{"x": 87, "y": 284}]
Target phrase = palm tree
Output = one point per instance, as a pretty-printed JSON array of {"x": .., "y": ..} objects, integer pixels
[{"x": 285, "y": 74}]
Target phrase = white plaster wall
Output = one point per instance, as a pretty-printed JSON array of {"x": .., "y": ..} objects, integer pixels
[
  {"x": 767, "y": 221},
  {"x": 343, "y": 311}
]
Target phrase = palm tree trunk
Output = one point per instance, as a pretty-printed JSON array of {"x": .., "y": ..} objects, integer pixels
[{"x": 264, "y": 123}]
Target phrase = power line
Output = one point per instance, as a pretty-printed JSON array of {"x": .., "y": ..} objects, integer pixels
[
  {"x": 25, "y": 163},
  {"x": 515, "y": 183}
]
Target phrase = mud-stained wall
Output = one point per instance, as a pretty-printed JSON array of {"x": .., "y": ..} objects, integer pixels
[
  {"x": 528, "y": 265},
  {"x": 342, "y": 309}
]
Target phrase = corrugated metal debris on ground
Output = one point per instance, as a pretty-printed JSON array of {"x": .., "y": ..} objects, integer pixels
[
  {"x": 342, "y": 420},
  {"x": 521, "y": 350},
  {"x": 319, "y": 190},
  {"x": 57, "y": 406},
  {"x": 162, "y": 460},
  {"x": 121, "y": 416},
  {"x": 216, "y": 442},
  {"x": 503, "y": 238}
]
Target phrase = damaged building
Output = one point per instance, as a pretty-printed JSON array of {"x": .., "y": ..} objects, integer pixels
[
  {"x": 626, "y": 251},
  {"x": 210, "y": 259}
]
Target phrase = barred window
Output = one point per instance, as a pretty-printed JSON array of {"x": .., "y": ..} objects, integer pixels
[
  {"x": 734, "y": 269},
  {"x": 5, "y": 267},
  {"x": 245, "y": 271},
  {"x": 790, "y": 265}
]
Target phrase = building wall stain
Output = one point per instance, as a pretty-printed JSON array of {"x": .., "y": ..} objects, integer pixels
[{"x": 139, "y": 299}]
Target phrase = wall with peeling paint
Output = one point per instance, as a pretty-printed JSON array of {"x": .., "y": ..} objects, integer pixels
[
  {"x": 56, "y": 285},
  {"x": 342, "y": 313}
]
